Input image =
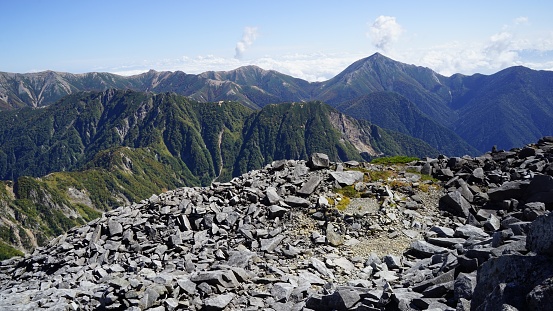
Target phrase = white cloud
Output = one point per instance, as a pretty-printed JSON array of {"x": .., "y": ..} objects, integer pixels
[
  {"x": 249, "y": 36},
  {"x": 521, "y": 20},
  {"x": 461, "y": 57},
  {"x": 310, "y": 67},
  {"x": 384, "y": 31}
]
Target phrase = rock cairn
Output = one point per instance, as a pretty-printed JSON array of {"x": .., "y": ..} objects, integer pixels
[{"x": 272, "y": 239}]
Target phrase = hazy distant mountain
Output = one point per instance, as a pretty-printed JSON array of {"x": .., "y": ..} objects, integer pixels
[
  {"x": 509, "y": 108},
  {"x": 250, "y": 85}
]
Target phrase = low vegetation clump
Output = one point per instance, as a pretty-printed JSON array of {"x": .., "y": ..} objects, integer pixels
[
  {"x": 343, "y": 203},
  {"x": 394, "y": 160},
  {"x": 7, "y": 251},
  {"x": 348, "y": 191}
]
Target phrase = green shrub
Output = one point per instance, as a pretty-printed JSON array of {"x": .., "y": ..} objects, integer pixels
[
  {"x": 7, "y": 251},
  {"x": 394, "y": 160},
  {"x": 343, "y": 203},
  {"x": 348, "y": 191}
]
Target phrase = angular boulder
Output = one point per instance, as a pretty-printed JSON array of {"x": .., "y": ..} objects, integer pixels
[
  {"x": 347, "y": 178},
  {"x": 540, "y": 235},
  {"x": 318, "y": 161}
]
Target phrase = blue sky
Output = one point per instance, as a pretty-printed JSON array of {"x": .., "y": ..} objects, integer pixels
[{"x": 313, "y": 40}]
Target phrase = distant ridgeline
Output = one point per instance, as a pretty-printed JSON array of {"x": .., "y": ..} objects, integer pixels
[{"x": 456, "y": 115}]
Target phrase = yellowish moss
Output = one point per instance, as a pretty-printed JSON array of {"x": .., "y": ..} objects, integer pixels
[{"x": 343, "y": 203}]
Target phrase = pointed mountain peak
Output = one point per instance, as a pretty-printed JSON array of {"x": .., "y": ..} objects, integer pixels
[
  {"x": 378, "y": 58},
  {"x": 370, "y": 63},
  {"x": 377, "y": 55}
]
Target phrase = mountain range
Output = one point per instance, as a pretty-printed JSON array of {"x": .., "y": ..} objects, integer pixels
[
  {"x": 74, "y": 145},
  {"x": 467, "y": 114}
]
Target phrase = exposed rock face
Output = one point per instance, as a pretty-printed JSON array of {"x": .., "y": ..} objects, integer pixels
[{"x": 272, "y": 239}]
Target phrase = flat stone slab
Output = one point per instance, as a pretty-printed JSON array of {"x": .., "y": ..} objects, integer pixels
[{"x": 347, "y": 178}]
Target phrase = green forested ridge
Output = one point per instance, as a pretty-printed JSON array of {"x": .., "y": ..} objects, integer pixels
[
  {"x": 76, "y": 132},
  {"x": 290, "y": 131},
  {"x": 93, "y": 151},
  {"x": 68, "y": 135}
]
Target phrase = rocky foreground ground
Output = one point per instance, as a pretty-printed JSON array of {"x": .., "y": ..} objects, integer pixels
[{"x": 273, "y": 239}]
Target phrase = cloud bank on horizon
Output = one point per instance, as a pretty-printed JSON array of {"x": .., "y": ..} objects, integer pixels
[{"x": 505, "y": 48}]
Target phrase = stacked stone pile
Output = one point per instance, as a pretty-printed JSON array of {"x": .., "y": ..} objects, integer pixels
[{"x": 272, "y": 240}]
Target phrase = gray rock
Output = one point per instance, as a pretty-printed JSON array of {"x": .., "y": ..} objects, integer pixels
[
  {"x": 520, "y": 227},
  {"x": 150, "y": 297},
  {"x": 424, "y": 249},
  {"x": 171, "y": 303},
  {"x": 444, "y": 278},
  {"x": 118, "y": 282},
  {"x": 412, "y": 205},
  {"x": 478, "y": 174},
  {"x": 278, "y": 165},
  {"x": 469, "y": 231},
  {"x": 438, "y": 290},
  {"x": 455, "y": 203},
  {"x": 347, "y": 178},
  {"x": 464, "y": 286},
  {"x": 309, "y": 186},
  {"x": 218, "y": 302},
  {"x": 194, "y": 248},
  {"x": 463, "y": 305},
  {"x": 291, "y": 251},
  {"x": 508, "y": 190},
  {"x": 277, "y": 211},
  {"x": 406, "y": 299},
  {"x": 443, "y": 232},
  {"x": 306, "y": 276},
  {"x": 321, "y": 268},
  {"x": 508, "y": 280},
  {"x": 218, "y": 277},
  {"x": 348, "y": 297},
  {"x": 427, "y": 169},
  {"x": 392, "y": 261},
  {"x": 492, "y": 224},
  {"x": 240, "y": 258},
  {"x": 269, "y": 245},
  {"x": 344, "y": 263},
  {"x": 541, "y": 297},
  {"x": 540, "y": 189},
  {"x": 271, "y": 196},
  {"x": 465, "y": 191},
  {"x": 318, "y": 161},
  {"x": 281, "y": 291},
  {"x": 540, "y": 235},
  {"x": 296, "y": 201},
  {"x": 344, "y": 298},
  {"x": 115, "y": 228},
  {"x": 333, "y": 238},
  {"x": 533, "y": 210},
  {"x": 188, "y": 286},
  {"x": 446, "y": 242}
]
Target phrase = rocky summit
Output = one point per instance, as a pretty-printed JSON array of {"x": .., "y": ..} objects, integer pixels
[{"x": 314, "y": 235}]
